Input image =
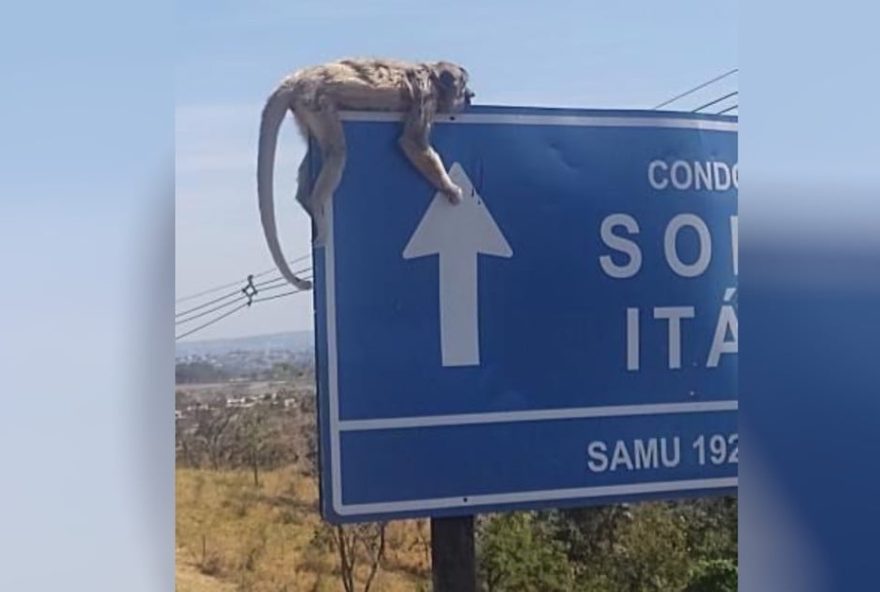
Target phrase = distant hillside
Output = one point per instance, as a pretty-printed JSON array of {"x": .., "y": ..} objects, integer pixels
[{"x": 295, "y": 341}]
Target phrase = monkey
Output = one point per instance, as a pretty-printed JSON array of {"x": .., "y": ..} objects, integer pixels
[{"x": 316, "y": 94}]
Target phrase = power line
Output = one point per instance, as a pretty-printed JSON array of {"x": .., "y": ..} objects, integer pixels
[
  {"x": 234, "y": 310},
  {"x": 281, "y": 278},
  {"x": 265, "y": 298},
  {"x": 718, "y": 100},
  {"x": 236, "y": 293},
  {"x": 731, "y": 108},
  {"x": 696, "y": 88},
  {"x": 209, "y": 303},
  {"x": 242, "y": 296},
  {"x": 237, "y": 282},
  {"x": 209, "y": 311},
  {"x": 211, "y": 322}
]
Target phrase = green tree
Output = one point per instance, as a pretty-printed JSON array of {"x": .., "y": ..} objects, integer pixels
[
  {"x": 586, "y": 533},
  {"x": 517, "y": 555},
  {"x": 717, "y": 575},
  {"x": 646, "y": 546},
  {"x": 710, "y": 526},
  {"x": 650, "y": 552}
]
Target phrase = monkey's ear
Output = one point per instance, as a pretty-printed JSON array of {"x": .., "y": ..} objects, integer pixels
[{"x": 446, "y": 80}]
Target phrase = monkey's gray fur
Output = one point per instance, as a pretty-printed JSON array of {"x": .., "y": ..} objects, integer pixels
[{"x": 315, "y": 95}]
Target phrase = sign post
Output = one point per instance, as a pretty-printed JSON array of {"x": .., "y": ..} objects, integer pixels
[
  {"x": 567, "y": 335},
  {"x": 453, "y": 557}
]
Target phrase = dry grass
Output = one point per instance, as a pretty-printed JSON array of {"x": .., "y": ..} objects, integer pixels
[{"x": 233, "y": 536}]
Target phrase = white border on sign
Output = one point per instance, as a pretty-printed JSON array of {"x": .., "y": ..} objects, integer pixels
[
  {"x": 567, "y": 120},
  {"x": 337, "y": 426}
]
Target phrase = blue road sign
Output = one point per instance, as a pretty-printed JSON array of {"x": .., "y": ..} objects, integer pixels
[{"x": 565, "y": 336}]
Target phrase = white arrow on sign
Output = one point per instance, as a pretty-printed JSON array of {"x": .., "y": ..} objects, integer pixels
[{"x": 458, "y": 233}]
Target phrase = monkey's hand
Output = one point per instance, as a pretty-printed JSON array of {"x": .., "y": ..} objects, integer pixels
[{"x": 454, "y": 194}]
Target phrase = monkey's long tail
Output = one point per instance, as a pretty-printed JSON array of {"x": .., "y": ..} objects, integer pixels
[{"x": 273, "y": 115}]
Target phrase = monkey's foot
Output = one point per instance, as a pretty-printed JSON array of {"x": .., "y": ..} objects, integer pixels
[
  {"x": 319, "y": 227},
  {"x": 320, "y": 237}
]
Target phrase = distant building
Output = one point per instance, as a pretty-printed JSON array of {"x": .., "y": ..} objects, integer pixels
[{"x": 240, "y": 402}]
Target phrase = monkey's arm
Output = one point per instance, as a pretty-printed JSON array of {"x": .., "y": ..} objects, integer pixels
[{"x": 416, "y": 144}]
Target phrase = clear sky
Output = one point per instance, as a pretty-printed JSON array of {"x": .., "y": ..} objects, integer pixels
[{"x": 579, "y": 53}]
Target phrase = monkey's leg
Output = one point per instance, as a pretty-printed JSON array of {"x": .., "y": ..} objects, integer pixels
[
  {"x": 416, "y": 144},
  {"x": 326, "y": 125},
  {"x": 302, "y": 185},
  {"x": 303, "y": 196}
]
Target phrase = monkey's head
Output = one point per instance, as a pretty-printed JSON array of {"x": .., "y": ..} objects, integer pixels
[{"x": 451, "y": 82}]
